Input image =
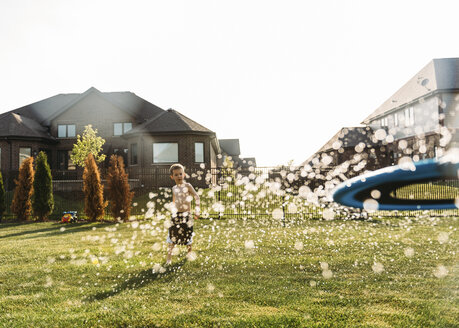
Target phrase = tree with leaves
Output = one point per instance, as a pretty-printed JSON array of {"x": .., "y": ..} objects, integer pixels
[
  {"x": 89, "y": 143},
  {"x": 94, "y": 205},
  {"x": 42, "y": 198},
  {"x": 119, "y": 194},
  {"x": 22, "y": 204},
  {"x": 2, "y": 197}
]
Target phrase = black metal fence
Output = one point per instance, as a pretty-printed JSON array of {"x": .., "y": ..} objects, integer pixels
[{"x": 239, "y": 193}]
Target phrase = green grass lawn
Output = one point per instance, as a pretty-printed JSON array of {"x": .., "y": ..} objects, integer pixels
[{"x": 244, "y": 273}]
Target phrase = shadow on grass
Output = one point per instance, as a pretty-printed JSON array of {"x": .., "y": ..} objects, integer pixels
[
  {"x": 52, "y": 231},
  {"x": 139, "y": 280}
]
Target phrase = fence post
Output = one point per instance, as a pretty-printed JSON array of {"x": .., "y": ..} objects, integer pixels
[{"x": 283, "y": 210}]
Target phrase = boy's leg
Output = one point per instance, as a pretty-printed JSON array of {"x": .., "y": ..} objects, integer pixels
[
  {"x": 189, "y": 248},
  {"x": 169, "y": 254}
]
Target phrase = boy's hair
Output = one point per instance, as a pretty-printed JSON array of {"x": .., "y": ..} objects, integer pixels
[{"x": 176, "y": 167}]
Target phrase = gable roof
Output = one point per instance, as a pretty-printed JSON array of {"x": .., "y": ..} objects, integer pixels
[
  {"x": 438, "y": 75},
  {"x": 170, "y": 121},
  {"x": 345, "y": 138},
  {"x": 230, "y": 146},
  {"x": 151, "y": 118},
  {"x": 46, "y": 110},
  {"x": 15, "y": 125},
  {"x": 42, "y": 109}
]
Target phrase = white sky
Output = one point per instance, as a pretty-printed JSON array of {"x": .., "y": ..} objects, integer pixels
[{"x": 282, "y": 76}]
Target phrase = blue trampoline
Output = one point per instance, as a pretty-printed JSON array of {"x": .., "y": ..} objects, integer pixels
[{"x": 384, "y": 182}]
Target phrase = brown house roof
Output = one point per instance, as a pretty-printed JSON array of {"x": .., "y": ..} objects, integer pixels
[
  {"x": 438, "y": 75},
  {"x": 45, "y": 110},
  {"x": 170, "y": 121},
  {"x": 18, "y": 126},
  {"x": 31, "y": 120}
]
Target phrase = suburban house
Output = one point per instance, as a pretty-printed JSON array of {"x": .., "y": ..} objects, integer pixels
[
  {"x": 231, "y": 149},
  {"x": 418, "y": 121},
  {"x": 149, "y": 138}
]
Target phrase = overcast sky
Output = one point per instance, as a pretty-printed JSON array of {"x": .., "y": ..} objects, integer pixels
[{"x": 281, "y": 76}]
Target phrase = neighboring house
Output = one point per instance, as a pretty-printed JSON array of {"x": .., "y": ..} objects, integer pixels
[
  {"x": 354, "y": 144},
  {"x": 231, "y": 149},
  {"x": 419, "y": 121},
  {"x": 421, "y": 117},
  {"x": 148, "y": 137}
]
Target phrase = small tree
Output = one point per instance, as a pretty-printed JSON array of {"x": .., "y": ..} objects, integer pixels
[
  {"x": 89, "y": 143},
  {"x": 94, "y": 204},
  {"x": 2, "y": 197},
  {"x": 22, "y": 204},
  {"x": 118, "y": 189},
  {"x": 42, "y": 198}
]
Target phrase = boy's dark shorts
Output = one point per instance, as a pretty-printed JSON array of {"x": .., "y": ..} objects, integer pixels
[{"x": 181, "y": 230}]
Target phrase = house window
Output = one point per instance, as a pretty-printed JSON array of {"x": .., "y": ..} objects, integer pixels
[
  {"x": 165, "y": 152},
  {"x": 66, "y": 131},
  {"x": 121, "y": 128},
  {"x": 199, "y": 152},
  {"x": 396, "y": 119},
  {"x": 134, "y": 154},
  {"x": 409, "y": 116},
  {"x": 24, "y": 153},
  {"x": 63, "y": 160}
]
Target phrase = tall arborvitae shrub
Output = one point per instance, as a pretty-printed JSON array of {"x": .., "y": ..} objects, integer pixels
[
  {"x": 118, "y": 189},
  {"x": 94, "y": 204},
  {"x": 42, "y": 198},
  {"x": 22, "y": 199},
  {"x": 2, "y": 197}
]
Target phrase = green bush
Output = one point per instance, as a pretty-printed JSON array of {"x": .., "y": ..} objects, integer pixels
[{"x": 42, "y": 198}]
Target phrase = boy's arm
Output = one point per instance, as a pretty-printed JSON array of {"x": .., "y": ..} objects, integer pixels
[{"x": 197, "y": 200}]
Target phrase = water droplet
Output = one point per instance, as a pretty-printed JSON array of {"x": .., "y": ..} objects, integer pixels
[
  {"x": 328, "y": 214},
  {"x": 370, "y": 205},
  {"x": 192, "y": 256},
  {"x": 278, "y": 214},
  {"x": 377, "y": 267},
  {"x": 376, "y": 194},
  {"x": 440, "y": 272},
  {"x": 249, "y": 244},
  {"x": 409, "y": 252},
  {"x": 443, "y": 237},
  {"x": 299, "y": 245},
  {"x": 380, "y": 134}
]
